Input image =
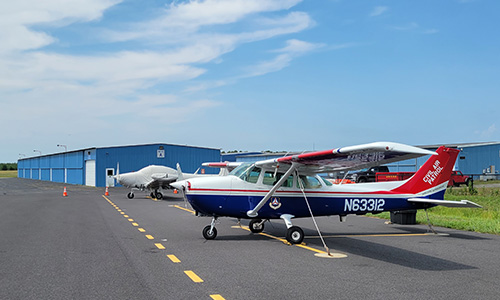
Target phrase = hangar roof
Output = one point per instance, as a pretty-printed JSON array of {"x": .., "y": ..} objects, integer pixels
[{"x": 122, "y": 146}]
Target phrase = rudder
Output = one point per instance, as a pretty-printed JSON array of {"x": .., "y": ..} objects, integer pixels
[{"x": 436, "y": 171}]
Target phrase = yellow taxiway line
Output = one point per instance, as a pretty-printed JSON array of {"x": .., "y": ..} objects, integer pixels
[{"x": 193, "y": 276}]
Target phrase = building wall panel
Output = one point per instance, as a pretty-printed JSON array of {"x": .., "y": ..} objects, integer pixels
[
  {"x": 130, "y": 158},
  {"x": 476, "y": 159},
  {"x": 133, "y": 158},
  {"x": 75, "y": 176},
  {"x": 45, "y": 173}
]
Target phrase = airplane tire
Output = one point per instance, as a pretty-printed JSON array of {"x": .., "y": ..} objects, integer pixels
[
  {"x": 130, "y": 195},
  {"x": 159, "y": 195},
  {"x": 152, "y": 195},
  {"x": 295, "y": 235},
  {"x": 206, "y": 233},
  {"x": 255, "y": 227}
]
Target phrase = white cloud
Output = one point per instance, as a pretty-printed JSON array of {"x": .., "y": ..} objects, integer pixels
[
  {"x": 293, "y": 48},
  {"x": 378, "y": 10},
  {"x": 18, "y": 17},
  {"x": 181, "y": 21},
  {"x": 80, "y": 94},
  {"x": 298, "y": 47},
  {"x": 414, "y": 27},
  {"x": 489, "y": 132}
]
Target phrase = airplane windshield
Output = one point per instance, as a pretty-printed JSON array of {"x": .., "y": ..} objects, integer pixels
[
  {"x": 241, "y": 169},
  {"x": 328, "y": 183}
]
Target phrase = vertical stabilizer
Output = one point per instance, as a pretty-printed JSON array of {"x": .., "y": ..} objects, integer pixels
[
  {"x": 180, "y": 176},
  {"x": 435, "y": 172}
]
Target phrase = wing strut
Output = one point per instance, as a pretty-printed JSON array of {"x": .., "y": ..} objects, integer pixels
[{"x": 254, "y": 212}]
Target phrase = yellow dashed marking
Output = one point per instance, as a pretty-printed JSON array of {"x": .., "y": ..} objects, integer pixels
[
  {"x": 135, "y": 224},
  {"x": 173, "y": 258},
  {"x": 122, "y": 213},
  {"x": 150, "y": 237},
  {"x": 193, "y": 276},
  {"x": 126, "y": 216},
  {"x": 217, "y": 297},
  {"x": 186, "y": 209},
  {"x": 141, "y": 229},
  {"x": 160, "y": 246},
  {"x": 131, "y": 220}
]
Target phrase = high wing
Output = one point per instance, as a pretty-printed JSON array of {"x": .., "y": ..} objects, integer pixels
[
  {"x": 347, "y": 158},
  {"x": 225, "y": 167},
  {"x": 339, "y": 159}
]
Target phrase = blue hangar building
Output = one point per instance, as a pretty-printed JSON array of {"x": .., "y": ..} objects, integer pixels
[{"x": 97, "y": 166}]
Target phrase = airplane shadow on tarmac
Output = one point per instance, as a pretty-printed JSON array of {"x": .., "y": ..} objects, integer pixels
[
  {"x": 355, "y": 246},
  {"x": 398, "y": 256}
]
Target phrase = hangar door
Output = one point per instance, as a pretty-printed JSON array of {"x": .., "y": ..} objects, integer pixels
[{"x": 90, "y": 172}]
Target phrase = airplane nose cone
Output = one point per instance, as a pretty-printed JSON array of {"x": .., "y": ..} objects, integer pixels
[
  {"x": 178, "y": 185},
  {"x": 118, "y": 178}
]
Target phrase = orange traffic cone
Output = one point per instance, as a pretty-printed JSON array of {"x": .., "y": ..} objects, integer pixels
[
  {"x": 175, "y": 191},
  {"x": 64, "y": 192},
  {"x": 107, "y": 192}
]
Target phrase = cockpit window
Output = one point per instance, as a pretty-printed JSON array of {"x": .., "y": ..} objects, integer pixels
[
  {"x": 269, "y": 179},
  {"x": 253, "y": 175},
  {"x": 309, "y": 182}
]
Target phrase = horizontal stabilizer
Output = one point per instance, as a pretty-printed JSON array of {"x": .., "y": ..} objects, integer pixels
[{"x": 462, "y": 203}]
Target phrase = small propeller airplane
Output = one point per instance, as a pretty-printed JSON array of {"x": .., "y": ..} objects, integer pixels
[
  {"x": 155, "y": 178},
  {"x": 290, "y": 187}
]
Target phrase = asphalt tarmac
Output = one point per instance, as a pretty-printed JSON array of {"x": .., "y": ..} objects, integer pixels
[{"x": 91, "y": 246}]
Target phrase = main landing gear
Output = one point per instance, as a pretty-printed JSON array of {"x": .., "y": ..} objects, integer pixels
[
  {"x": 256, "y": 225},
  {"x": 294, "y": 234},
  {"x": 156, "y": 195}
]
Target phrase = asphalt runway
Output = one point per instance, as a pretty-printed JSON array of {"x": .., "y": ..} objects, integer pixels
[{"x": 88, "y": 246}]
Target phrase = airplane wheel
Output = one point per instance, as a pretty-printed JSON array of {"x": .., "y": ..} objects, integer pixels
[
  {"x": 130, "y": 195},
  {"x": 206, "y": 233},
  {"x": 152, "y": 195},
  {"x": 255, "y": 227},
  {"x": 159, "y": 195},
  {"x": 295, "y": 235}
]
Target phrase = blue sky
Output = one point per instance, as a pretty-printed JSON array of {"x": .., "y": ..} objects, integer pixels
[{"x": 247, "y": 75}]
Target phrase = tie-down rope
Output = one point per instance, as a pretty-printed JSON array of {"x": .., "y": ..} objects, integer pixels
[{"x": 301, "y": 185}]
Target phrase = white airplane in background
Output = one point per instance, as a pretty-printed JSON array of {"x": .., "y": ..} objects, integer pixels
[{"x": 155, "y": 178}]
